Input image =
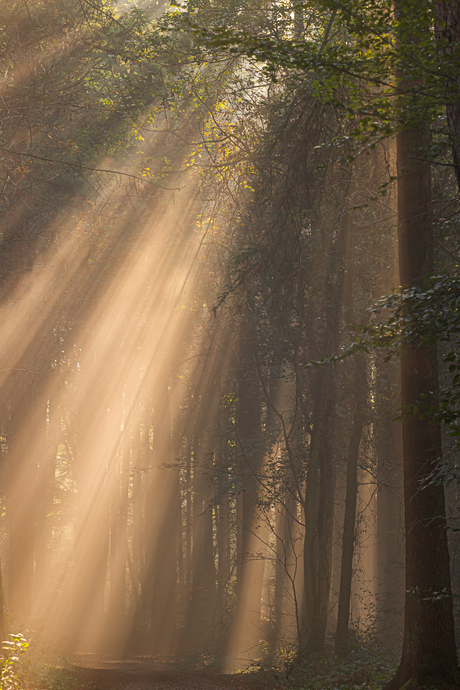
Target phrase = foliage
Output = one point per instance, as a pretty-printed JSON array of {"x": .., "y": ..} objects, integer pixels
[
  {"x": 415, "y": 317},
  {"x": 10, "y": 663},
  {"x": 53, "y": 677},
  {"x": 367, "y": 667},
  {"x": 354, "y": 52},
  {"x": 27, "y": 663},
  {"x": 418, "y": 316}
]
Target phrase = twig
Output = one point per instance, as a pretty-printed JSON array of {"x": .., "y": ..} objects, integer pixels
[{"x": 86, "y": 167}]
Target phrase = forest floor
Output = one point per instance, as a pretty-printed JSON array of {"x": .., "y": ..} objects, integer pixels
[
  {"x": 148, "y": 674},
  {"x": 369, "y": 668}
]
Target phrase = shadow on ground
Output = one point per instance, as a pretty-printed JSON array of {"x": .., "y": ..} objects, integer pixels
[{"x": 148, "y": 673}]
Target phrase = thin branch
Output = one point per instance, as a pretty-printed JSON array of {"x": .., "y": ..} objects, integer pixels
[{"x": 87, "y": 167}]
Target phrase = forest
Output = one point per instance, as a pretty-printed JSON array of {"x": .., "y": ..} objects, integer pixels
[{"x": 229, "y": 350}]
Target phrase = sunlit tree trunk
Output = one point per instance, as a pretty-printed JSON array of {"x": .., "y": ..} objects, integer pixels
[
  {"x": 390, "y": 539},
  {"x": 48, "y": 447},
  {"x": 2, "y": 608},
  {"x": 223, "y": 530},
  {"x": 223, "y": 524},
  {"x": 164, "y": 557},
  {"x": 138, "y": 438},
  {"x": 246, "y": 625},
  {"x": 84, "y": 620},
  {"x": 150, "y": 525},
  {"x": 201, "y": 604},
  {"x": 22, "y": 475},
  {"x": 276, "y": 632},
  {"x": 188, "y": 515},
  {"x": 177, "y": 448},
  {"x": 116, "y": 623}
]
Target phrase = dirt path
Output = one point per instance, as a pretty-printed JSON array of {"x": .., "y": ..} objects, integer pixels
[{"x": 147, "y": 674}]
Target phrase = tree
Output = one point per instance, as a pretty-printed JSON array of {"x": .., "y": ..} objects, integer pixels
[{"x": 429, "y": 655}]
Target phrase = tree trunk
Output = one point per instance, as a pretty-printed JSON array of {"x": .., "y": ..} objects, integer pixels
[
  {"x": 164, "y": 571},
  {"x": 390, "y": 537},
  {"x": 316, "y": 564},
  {"x": 349, "y": 522},
  {"x": 246, "y": 624},
  {"x": 137, "y": 439},
  {"x": 116, "y": 623},
  {"x": 223, "y": 526},
  {"x": 2, "y": 609},
  {"x": 325, "y": 525},
  {"x": 429, "y": 656},
  {"x": 22, "y": 475},
  {"x": 448, "y": 35}
]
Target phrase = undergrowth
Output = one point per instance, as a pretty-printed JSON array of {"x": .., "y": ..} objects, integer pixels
[
  {"x": 368, "y": 668},
  {"x": 26, "y": 665}
]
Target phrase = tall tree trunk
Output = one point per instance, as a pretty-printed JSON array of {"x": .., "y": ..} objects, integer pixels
[
  {"x": 150, "y": 522},
  {"x": 48, "y": 447},
  {"x": 22, "y": 475},
  {"x": 164, "y": 571},
  {"x": 390, "y": 537},
  {"x": 311, "y": 502},
  {"x": 136, "y": 440},
  {"x": 188, "y": 516},
  {"x": 448, "y": 35},
  {"x": 116, "y": 623},
  {"x": 429, "y": 656},
  {"x": 325, "y": 526},
  {"x": 204, "y": 572},
  {"x": 2, "y": 609},
  {"x": 246, "y": 625},
  {"x": 323, "y": 385},
  {"x": 319, "y": 504},
  {"x": 349, "y": 523},
  {"x": 223, "y": 526}
]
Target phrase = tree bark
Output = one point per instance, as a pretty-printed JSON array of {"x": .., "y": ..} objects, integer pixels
[
  {"x": 390, "y": 537},
  {"x": 22, "y": 475},
  {"x": 429, "y": 656},
  {"x": 246, "y": 632},
  {"x": 349, "y": 522},
  {"x": 448, "y": 35},
  {"x": 164, "y": 571},
  {"x": 223, "y": 525},
  {"x": 318, "y": 531}
]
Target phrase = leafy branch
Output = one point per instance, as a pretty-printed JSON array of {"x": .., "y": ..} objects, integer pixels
[{"x": 417, "y": 317}]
